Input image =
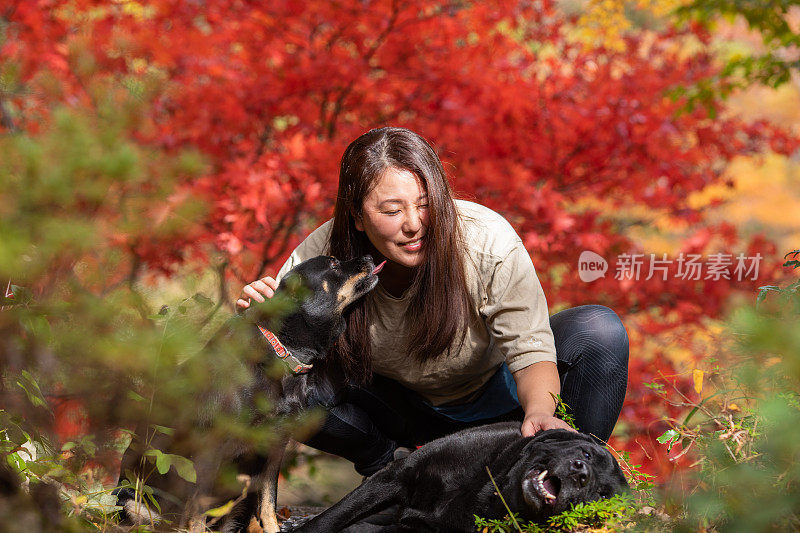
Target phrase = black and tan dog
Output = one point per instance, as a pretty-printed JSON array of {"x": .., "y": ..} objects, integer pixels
[
  {"x": 303, "y": 341},
  {"x": 442, "y": 485}
]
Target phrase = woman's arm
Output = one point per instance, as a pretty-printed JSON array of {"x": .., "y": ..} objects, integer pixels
[
  {"x": 535, "y": 383},
  {"x": 517, "y": 317}
]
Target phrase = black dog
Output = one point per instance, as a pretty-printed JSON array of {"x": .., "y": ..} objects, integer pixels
[
  {"x": 303, "y": 341},
  {"x": 442, "y": 485}
]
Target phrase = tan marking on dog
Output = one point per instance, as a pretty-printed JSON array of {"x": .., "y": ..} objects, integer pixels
[
  {"x": 325, "y": 286},
  {"x": 268, "y": 518},
  {"x": 254, "y": 526},
  {"x": 345, "y": 294}
]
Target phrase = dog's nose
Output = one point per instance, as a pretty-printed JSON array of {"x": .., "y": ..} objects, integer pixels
[
  {"x": 581, "y": 472},
  {"x": 368, "y": 258}
]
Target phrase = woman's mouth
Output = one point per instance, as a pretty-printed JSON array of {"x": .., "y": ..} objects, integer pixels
[{"x": 413, "y": 246}]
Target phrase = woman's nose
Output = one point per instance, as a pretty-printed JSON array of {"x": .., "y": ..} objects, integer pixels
[{"x": 413, "y": 221}]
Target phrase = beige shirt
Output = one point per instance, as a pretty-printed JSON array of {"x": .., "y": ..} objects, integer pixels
[{"x": 508, "y": 297}]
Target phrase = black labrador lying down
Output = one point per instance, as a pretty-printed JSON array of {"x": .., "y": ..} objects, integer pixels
[
  {"x": 441, "y": 486},
  {"x": 303, "y": 341}
]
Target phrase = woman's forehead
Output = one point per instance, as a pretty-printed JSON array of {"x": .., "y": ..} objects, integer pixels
[{"x": 397, "y": 185}]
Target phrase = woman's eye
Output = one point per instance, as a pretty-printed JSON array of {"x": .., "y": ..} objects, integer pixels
[
  {"x": 423, "y": 206},
  {"x": 390, "y": 212}
]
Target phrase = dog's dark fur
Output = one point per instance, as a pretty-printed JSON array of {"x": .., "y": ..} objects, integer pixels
[
  {"x": 440, "y": 486},
  {"x": 308, "y": 333}
]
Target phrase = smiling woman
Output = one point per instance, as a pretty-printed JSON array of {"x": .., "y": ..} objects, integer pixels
[
  {"x": 394, "y": 202},
  {"x": 394, "y": 215},
  {"x": 457, "y": 333}
]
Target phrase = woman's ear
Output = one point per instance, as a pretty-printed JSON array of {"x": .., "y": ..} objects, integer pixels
[{"x": 359, "y": 223}]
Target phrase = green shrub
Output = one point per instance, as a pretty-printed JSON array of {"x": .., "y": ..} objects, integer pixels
[{"x": 744, "y": 437}]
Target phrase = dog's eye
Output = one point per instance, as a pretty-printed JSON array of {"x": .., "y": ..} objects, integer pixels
[
  {"x": 586, "y": 455},
  {"x": 334, "y": 264}
]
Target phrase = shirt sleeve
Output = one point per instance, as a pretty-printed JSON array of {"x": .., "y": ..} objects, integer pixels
[
  {"x": 317, "y": 243},
  {"x": 516, "y": 312}
]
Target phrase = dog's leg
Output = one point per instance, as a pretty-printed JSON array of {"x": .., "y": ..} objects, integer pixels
[
  {"x": 415, "y": 521},
  {"x": 377, "y": 493},
  {"x": 269, "y": 490}
]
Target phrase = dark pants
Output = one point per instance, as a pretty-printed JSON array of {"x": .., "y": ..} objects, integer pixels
[{"x": 372, "y": 421}]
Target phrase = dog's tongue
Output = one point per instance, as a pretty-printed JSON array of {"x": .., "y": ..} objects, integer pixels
[
  {"x": 551, "y": 487},
  {"x": 378, "y": 268}
]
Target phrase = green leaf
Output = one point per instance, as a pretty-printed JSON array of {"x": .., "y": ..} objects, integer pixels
[
  {"x": 163, "y": 429},
  {"x": 162, "y": 463},
  {"x": 136, "y": 397},
  {"x": 185, "y": 468},
  {"x": 151, "y": 499},
  {"x": 222, "y": 510},
  {"x": 203, "y": 300},
  {"x": 762, "y": 292},
  {"x": 16, "y": 462},
  {"x": 669, "y": 435},
  {"x": 87, "y": 445},
  {"x": 32, "y": 390},
  {"x": 162, "y": 460}
]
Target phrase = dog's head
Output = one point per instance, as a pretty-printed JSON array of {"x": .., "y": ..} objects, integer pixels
[
  {"x": 559, "y": 468},
  {"x": 332, "y": 285},
  {"x": 323, "y": 287}
]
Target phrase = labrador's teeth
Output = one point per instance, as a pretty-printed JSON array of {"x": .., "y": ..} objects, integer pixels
[{"x": 540, "y": 483}]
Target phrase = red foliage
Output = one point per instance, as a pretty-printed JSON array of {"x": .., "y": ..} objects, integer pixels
[
  {"x": 528, "y": 123},
  {"x": 70, "y": 419}
]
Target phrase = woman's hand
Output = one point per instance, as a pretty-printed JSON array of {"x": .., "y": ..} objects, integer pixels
[
  {"x": 535, "y": 422},
  {"x": 537, "y": 386},
  {"x": 258, "y": 291}
]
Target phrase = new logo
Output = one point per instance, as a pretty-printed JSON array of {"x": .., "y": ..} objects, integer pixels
[{"x": 591, "y": 266}]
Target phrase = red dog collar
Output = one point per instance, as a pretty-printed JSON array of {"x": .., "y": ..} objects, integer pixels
[{"x": 295, "y": 365}]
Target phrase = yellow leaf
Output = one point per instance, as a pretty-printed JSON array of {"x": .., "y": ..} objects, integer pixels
[
  {"x": 697, "y": 377},
  {"x": 222, "y": 510},
  {"x": 733, "y": 407}
]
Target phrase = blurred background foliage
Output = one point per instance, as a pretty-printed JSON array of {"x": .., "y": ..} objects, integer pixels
[
  {"x": 91, "y": 364},
  {"x": 166, "y": 152},
  {"x": 738, "y": 428}
]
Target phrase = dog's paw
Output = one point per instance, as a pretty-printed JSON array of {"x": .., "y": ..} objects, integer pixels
[{"x": 294, "y": 522}]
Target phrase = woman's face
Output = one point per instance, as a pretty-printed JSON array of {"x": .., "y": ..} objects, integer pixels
[{"x": 394, "y": 215}]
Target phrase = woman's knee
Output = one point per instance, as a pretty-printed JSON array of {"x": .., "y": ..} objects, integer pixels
[
  {"x": 593, "y": 330},
  {"x": 608, "y": 330}
]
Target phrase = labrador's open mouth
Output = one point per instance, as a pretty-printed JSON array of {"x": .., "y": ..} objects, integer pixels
[{"x": 546, "y": 486}]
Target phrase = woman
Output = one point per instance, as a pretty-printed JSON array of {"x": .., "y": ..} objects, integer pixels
[{"x": 456, "y": 333}]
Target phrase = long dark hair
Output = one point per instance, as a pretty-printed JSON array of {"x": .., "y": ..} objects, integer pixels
[{"x": 440, "y": 308}]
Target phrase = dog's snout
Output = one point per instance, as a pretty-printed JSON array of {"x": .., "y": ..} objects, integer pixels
[{"x": 581, "y": 472}]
